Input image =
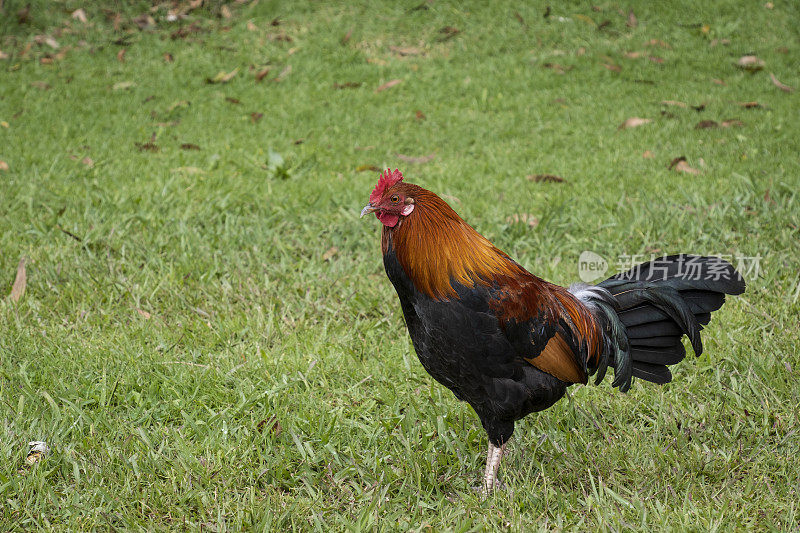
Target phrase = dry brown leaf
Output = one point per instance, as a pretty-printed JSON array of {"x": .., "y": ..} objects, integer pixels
[
  {"x": 388, "y": 85},
  {"x": 612, "y": 67},
  {"x": 451, "y": 198},
  {"x": 346, "y": 36},
  {"x": 329, "y": 253},
  {"x": 255, "y": 117},
  {"x": 716, "y": 81},
  {"x": 143, "y": 313},
  {"x": 280, "y": 37},
  {"x": 419, "y": 115},
  {"x": 48, "y": 59},
  {"x": 523, "y": 218},
  {"x": 363, "y": 168},
  {"x": 251, "y": 26},
  {"x": 731, "y": 123},
  {"x": 3, "y": 166},
  {"x": 43, "y": 85},
  {"x": 79, "y": 15},
  {"x": 406, "y": 50},
  {"x": 633, "y": 55},
  {"x": 24, "y": 53},
  {"x": 189, "y": 146},
  {"x": 659, "y": 43},
  {"x": 632, "y": 21},
  {"x": 223, "y": 77},
  {"x": 48, "y": 40},
  {"x": 225, "y": 11},
  {"x": 683, "y": 166},
  {"x": 347, "y": 85},
  {"x": 189, "y": 170},
  {"x": 703, "y": 124},
  {"x": 285, "y": 72},
  {"x": 4, "y": 55},
  {"x": 779, "y": 85},
  {"x": 273, "y": 425},
  {"x": 545, "y": 178},
  {"x": 750, "y": 63},
  {"x": 121, "y": 55},
  {"x": 184, "y": 31},
  {"x": 168, "y": 57},
  {"x": 656, "y": 59},
  {"x": 749, "y": 105},
  {"x": 20, "y": 282},
  {"x": 679, "y": 164},
  {"x": 673, "y": 102},
  {"x": 232, "y": 100},
  {"x": 416, "y": 160},
  {"x": 115, "y": 18},
  {"x": 448, "y": 32},
  {"x": 634, "y": 122},
  {"x": 144, "y": 21},
  {"x": 24, "y": 15},
  {"x": 88, "y": 161},
  {"x": 261, "y": 74},
  {"x": 147, "y": 147},
  {"x": 647, "y": 154},
  {"x": 122, "y": 85},
  {"x": 178, "y": 104},
  {"x": 561, "y": 69}
]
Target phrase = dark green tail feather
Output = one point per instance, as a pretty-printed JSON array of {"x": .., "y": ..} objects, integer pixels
[{"x": 647, "y": 310}]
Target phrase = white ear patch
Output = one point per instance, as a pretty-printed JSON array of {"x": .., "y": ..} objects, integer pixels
[{"x": 407, "y": 209}]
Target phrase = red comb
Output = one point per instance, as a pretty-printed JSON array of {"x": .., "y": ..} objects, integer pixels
[{"x": 387, "y": 179}]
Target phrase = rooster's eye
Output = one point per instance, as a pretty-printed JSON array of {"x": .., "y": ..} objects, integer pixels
[{"x": 395, "y": 199}]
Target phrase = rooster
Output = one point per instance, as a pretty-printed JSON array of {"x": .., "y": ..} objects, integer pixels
[{"x": 509, "y": 343}]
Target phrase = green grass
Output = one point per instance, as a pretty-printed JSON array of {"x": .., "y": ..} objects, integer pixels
[{"x": 193, "y": 359}]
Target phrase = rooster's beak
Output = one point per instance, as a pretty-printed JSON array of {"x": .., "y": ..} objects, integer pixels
[{"x": 367, "y": 209}]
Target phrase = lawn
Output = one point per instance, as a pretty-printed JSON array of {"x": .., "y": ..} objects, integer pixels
[{"x": 205, "y": 337}]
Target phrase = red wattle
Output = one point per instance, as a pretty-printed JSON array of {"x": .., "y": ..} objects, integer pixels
[{"x": 387, "y": 219}]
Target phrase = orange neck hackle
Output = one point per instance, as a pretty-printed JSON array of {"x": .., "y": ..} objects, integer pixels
[{"x": 436, "y": 248}]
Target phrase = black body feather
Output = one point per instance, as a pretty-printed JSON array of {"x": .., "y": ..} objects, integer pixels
[{"x": 461, "y": 343}]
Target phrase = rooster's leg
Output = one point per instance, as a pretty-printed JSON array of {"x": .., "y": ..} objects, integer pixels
[{"x": 493, "y": 458}]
